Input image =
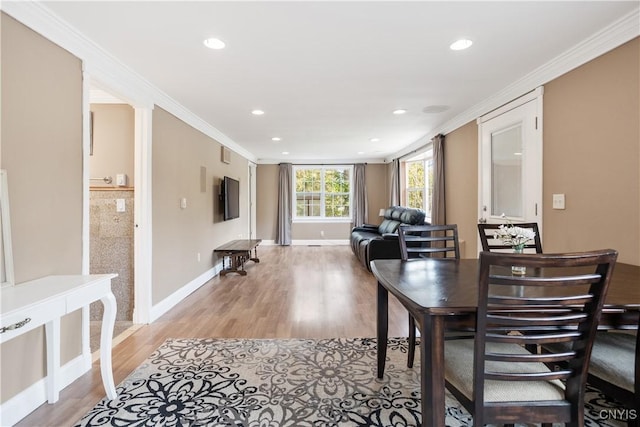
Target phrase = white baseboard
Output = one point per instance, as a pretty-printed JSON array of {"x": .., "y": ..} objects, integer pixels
[
  {"x": 175, "y": 298},
  {"x": 22, "y": 404},
  {"x": 321, "y": 242}
]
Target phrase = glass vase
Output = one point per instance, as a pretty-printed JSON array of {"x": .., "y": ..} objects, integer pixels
[{"x": 517, "y": 270}]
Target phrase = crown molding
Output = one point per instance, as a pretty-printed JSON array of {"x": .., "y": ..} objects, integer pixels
[
  {"x": 107, "y": 71},
  {"x": 320, "y": 162},
  {"x": 128, "y": 85},
  {"x": 609, "y": 38}
]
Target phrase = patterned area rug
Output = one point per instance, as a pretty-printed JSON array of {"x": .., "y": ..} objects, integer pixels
[{"x": 276, "y": 383}]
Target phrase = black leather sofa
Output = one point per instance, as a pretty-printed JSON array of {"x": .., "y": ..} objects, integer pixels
[{"x": 369, "y": 242}]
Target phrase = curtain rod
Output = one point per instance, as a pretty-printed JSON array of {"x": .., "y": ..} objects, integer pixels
[
  {"x": 325, "y": 164},
  {"x": 419, "y": 148}
]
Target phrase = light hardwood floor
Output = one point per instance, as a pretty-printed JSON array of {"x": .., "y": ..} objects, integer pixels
[{"x": 294, "y": 292}]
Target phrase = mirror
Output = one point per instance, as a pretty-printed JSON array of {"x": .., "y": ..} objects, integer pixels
[{"x": 6, "y": 253}]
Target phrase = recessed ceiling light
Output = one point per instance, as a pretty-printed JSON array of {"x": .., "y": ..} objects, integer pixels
[
  {"x": 213, "y": 43},
  {"x": 399, "y": 111},
  {"x": 517, "y": 154},
  {"x": 461, "y": 44},
  {"x": 276, "y": 139},
  {"x": 374, "y": 139},
  {"x": 360, "y": 152},
  {"x": 285, "y": 152},
  {"x": 257, "y": 112}
]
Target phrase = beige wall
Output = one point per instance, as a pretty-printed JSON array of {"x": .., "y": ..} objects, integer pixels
[
  {"x": 267, "y": 206},
  {"x": 179, "y": 152},
  {"x": 42, "y": 153},
  {"x": 377, "y": 190},
  {"x": 461, "y": 184},
  {"x": 591, "y": 154},
  {"x": 266, "y": 201},
  {"x": 113, "y": 143}
]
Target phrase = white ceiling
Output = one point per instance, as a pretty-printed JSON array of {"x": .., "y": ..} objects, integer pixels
[{"x": 329, "y": 74}]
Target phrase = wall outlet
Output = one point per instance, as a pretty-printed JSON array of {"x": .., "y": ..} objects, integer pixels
[
  {"x": 322, "y": 233},
  {"x": 120, "y": 206},
  {"x": 198, "y": 256},
  {"x": 121, "y": 180},
  {"x": 183, "y": 203}
]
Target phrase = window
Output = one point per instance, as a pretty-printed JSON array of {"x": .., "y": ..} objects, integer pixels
[
  {"x": 418, "y": 182},
  {"x": 322, "y": 192}
]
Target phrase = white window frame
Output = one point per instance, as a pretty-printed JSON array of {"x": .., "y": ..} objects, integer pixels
[
  {"x": 321, "y": 218},
  {"x": 426, "y": 157}
]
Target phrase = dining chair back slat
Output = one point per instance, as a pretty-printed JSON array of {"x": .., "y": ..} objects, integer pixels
[{"x": 428, "y": 241}]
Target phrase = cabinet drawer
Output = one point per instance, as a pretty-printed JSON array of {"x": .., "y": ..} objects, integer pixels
[{"x": 38, "y": 313}]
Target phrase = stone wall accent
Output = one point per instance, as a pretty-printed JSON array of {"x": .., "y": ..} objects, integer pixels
[{"x": 111, "y": 247}]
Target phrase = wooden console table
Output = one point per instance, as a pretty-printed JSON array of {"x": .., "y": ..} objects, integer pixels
[
  {"x": 237, "y": 252},
  {"x": 43, "y": 302}
]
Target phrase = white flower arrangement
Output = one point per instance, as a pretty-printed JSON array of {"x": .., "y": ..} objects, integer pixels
[{"x": 514, "y": 236}]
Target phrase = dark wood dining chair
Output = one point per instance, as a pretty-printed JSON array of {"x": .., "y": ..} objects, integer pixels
[
  {"x": 492, "y": 244},
  {"x": 614, "y": 369},
  {"x": 493, "y": 375},
  {"x": 426, "y": 241}
]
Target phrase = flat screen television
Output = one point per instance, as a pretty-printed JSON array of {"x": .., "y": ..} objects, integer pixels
[{"x": 231, "y": 198}]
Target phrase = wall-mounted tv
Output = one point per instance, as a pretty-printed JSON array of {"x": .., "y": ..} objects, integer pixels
[{"x": 231, "y": 198}]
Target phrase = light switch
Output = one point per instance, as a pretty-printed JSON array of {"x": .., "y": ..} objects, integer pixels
[
  {"x": 558, "y": 201},
  {"x": 120, "y": 207},
  {"x": 183, "y": 203}
]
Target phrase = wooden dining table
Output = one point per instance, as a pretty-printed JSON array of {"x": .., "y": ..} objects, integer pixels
[{"x": 442, "y": 295}]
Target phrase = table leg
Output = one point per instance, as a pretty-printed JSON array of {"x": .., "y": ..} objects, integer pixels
[
  {"x": 255, "y": 255},
  {"x": 52, "y": 333},
  {"x": 383, "y": 327},
  {"x": 432, "y": 370},
  {"x": 106, "y": 342}
]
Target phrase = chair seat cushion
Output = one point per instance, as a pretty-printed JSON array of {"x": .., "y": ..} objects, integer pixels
[
  {"x": 612, "y": 358},
  {"x": 459, "y": 372}
]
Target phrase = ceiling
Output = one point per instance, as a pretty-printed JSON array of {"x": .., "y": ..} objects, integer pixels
[{"x": 329, "y": 74}]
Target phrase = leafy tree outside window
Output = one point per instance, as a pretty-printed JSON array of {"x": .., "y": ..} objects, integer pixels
[
  {"x": 415, "y": 184},
  {"x": 419, "y": 182},
  {"x": 322, "y": 192}
]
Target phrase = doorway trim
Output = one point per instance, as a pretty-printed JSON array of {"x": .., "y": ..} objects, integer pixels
[
  {"x": 252, "y": 169},
  {"x": 143, "y": 113},
  {"x": 142, "y": 215},
  {"x": 536, "y": 153}
]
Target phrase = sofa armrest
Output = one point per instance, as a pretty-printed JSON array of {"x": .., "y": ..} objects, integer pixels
[
  {"x": 365, "y": 227},
  {"x": 390, "y": 236},
  {"x": 386, "y": 248}
]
